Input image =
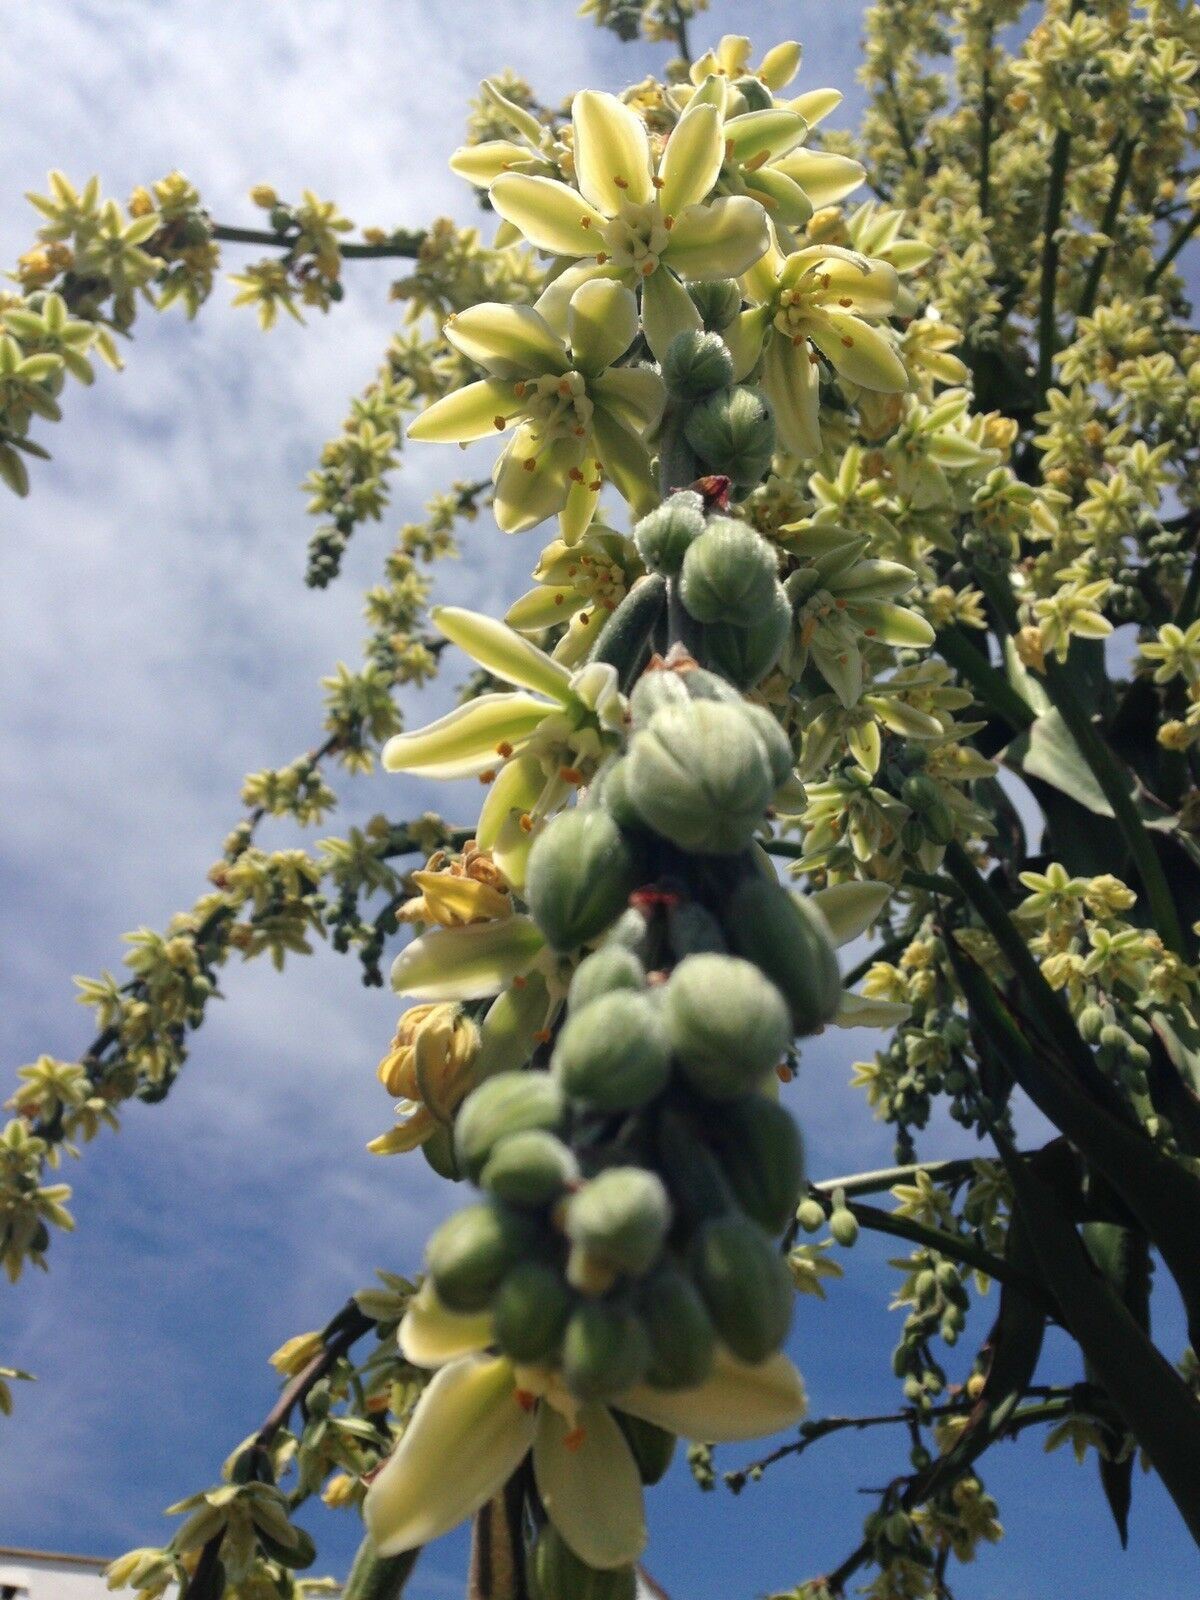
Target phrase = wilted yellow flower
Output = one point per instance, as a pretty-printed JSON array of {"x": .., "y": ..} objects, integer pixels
[
  {"x": 295, "y": 1354},
  {"x": 429, "y": 1069},
  {"x": 457, "y": 889}
]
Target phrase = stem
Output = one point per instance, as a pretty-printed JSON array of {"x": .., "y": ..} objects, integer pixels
[
  {"x": 1047, "y": 330},
  {"x": 985, "y": 124},
  {"x": 859, "y": 1183},
  {"x": 406, "y": 243},
  {"x": 1176, "y": 245},
  {"x": 681, "y": 34},
  {"x": 990, "y": 685},
  {"x": 1107, "y": 222},
  {"x": 1191, "y": 597}
]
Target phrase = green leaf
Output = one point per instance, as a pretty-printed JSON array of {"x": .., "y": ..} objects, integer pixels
[
  {"x": 1123, "y": 1258},
  {"x": 1047, "y": 751}
]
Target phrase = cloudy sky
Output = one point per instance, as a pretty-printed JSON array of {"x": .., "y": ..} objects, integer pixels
[{"x": 157, "y": 642}]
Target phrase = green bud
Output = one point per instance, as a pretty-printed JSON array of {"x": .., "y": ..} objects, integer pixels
[
  {"x": 746, "y": 655},
  {"x": 745, "y": 1284},
  {"x": 698, "y": 775},
  {"x": 680, "y": 1330},
  {"x": 613, "y": 1055},
  {"x": 663, "y": 537},
  {"x": 529, "y": 1169},
  {"x": 604, "y": 971},
  {"x": 758, "y": 1146},
  {"x": 912, "y": 836},
  {"x": 530, "y": 1312},
  {"x": 718, "y": 301},
  {"x": 580, "y": 875},
  {"x": 557, "y": 1573},
  {"x": 620, "y": 1218},
  {"x": 726, "y": 1022},
  {"x": 775, "y": 742},
  {"x": 438, "y": 1151},
  {"x": 843, "y": 1225},
  {"x": 787, "y": 939},
  {"x": 509, "y": 1103},
  {"x": 729, "y": 574},
  {"x": 733, "y": 432},
  {"x": 696, "y": 364},
  {"x": 755, "y": 93},
  {"x": 469, "y": 1254},
  {"x": 938, "y": 823},
  {"x": 605, "y": 1350},
  {"x": 810, "y": 1214},
  {"x": 920, "y": 792},
  {"x": 660, "y": 688}
]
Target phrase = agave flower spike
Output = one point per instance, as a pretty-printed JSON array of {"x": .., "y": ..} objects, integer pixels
[
  {"x": 481, "y": 1415},
  {"x": 578, "y": 416},
  {"x": 646, "y": 225}
]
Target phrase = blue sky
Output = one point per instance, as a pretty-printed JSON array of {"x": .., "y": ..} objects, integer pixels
[{"x": 156, "y": 642}]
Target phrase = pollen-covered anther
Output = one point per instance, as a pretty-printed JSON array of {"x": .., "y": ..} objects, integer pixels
[
  {"x": 784, "y": 1073},
  {"x": 573, "y": 1440},
  {"x": 585, "y": 222},
  {"x": 520, "y": 388},
  {"x": 571, "y": 775},
  {"x": 488, "y": 776},
  {"x": 848, "y": 342},
  {"x": 647, "y": 268},
  {"x": 594, "y": 486},
  {"x": 601, "y": 258},
  {"x": 621, "y": 183},
  {"x": 668, "y": 222},
  {"x": 575, "y": 475},
  {"x": 657, "y": 182},
  {"x": 525, "y": 822},
  {"x": 529, "y": 464},
  {"x": 525, "y": 1400},
  {"x": 542, "y": 1036},
  {"x": 499, "y": 423},
  {"x": 845, "y": 300},
  {"x": 504, "y": 749}
]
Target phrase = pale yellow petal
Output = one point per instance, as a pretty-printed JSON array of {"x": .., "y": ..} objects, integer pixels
[
  {"x": 431, "y": 1336},
  {"x": 602, "y": 322},
  {"x": 589, "y": 1484},
  {"x": 504, "y": 653},
  {"x": 718, "y": 239},
  {"x": 509, "y": 341},
  {"x": 692, "y": 159},
  {"x": 480, "y": 409},
  {"x": 464, "y": 742},
  {"x": 735, "y": 1402},
  {"x": 612, "y": 152},
  {"x": 549, "y": 214}
]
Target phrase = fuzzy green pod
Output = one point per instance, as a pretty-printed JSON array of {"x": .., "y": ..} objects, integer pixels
[
  {"x": 787, "y": 939},
  {"x": 580, "y": 875},
  {"x": 557, "y": 1573},
  {"x": 745, "y": 1284},
  {"x": 625, "y": 637},
  {"x": 530, "y": 1312},
  {"x": 729, "y": 574},
  {"x": 733, "y": 433},
  {"x": 620, "y": 1217},
  {"x": 696, "y": 364},
  {"x": 614, "y": 1054},
  {"x": 727, "y": 1024},
  {"x": 699, "y": 776},
  {"x": 509, "y": 1103},
  {"x": 469, "y": 1254},
  {"x": 775, "y": 743},
  {"x": 605, "y": 1350},
  {"x": 680, "y": 1330},
  {"x": 529, "y": 1169},
  {"x": 657, "y": 689},
  {"x": 718, "y": 300},
  {"x": 759, "y": 1148},
  {"x": 605, "y": 970},
  {"x": 663, "y": 536},
  {"x": 746, "y": 655}
]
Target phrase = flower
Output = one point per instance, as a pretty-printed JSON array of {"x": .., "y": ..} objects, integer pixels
[
  {"x": 642, "y": 225},
  {"x": 579, "y": 584},
  {"x": 481, "y": 1415},
  {"x": 455, "y": 890},
  {"x": 576, "y": 414},
  {"x": 816, "y": 299},
  {"x": 429, "y": 1068}
]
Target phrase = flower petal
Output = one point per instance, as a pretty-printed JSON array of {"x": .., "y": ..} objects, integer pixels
[
  {"x": 466, "y": 414},
  {"x": 861, "y": 1011},
  {"x": 579, "y": 508},
  {"x": 589, "y": 1484},
  {"x": 634, "y": 394},
  {"x": 793, "y": 385},
  {"x": 850, "y": 908},
  {"x": 504, "y": 653},
  {"x": 825, "y": 177},
  {"x": 765, "y": 135},
  {"x": 542, "y": 607},
  {"x": 744, "y": 339},
  {"x": 858, "y": 352},
  {"x": 894, "y": 625},
  {"x": 602, "y": 322},
  {"x": 720, "y": 239},
  {"x": 463, "y": 743},
  {"x": 483, "y": 163},
  {"x": 783, "y": 197},
  {"x": 431, "y": 1336},
  {"x": 513, "y": 795},
  {"x": 549, "y": 214},
  {"x": 467, "y": 963},
  {"x": 735, "y": 1402},
  {"x": 692, "y": 159},
  {"x": 626, "y": 462},
  {"x": 508, "y": 341},
  {"x": 532, "y": 481},
  {"x": 612, "y": 152},
  {"x": 555, "y": 299},
  {"x": 466, "y": 1438},
  {"x": 816, "y": 104},
  {"x": 667, "y": 310},
  {"x": 781, "y": 64}
]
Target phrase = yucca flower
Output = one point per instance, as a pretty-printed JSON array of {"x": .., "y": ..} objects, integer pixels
[
  {"x": 645, "y": 225},
  {"x": 454, "y": 890},
  {"x": 580, "y": 584},
  {"x": 816, "y": 300},
  {"x": 481, "y": 1415},
  {"x": 578, "y": 417},
  {"x": 428, "y": 1069}
]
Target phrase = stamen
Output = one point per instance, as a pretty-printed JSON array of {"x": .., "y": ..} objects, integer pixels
[
  {"x": 571, "y": 775},
  {"x": 529, "y": 464},
  {"x": 504, "y": 749},
  {"x": 499, "y": 423},
  {"x": 525, "y": 822},
  {"x": 621, "y": 183},
  {"x": 488, "y": 776},
  {"x": 525, "y": 1400},
  {"x": 574, "y": 1439}
]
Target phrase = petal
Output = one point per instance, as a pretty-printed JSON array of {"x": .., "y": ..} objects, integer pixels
[
  {"x": 626, "y": 462},
  {"x": 692, "y": 159},
  {"x": 720, "y": 239},
  {"x": 762, "y": 279},
  {"x": 431, "y": 1336},
  {"x": 549, "y": 214},
  {"x": 589, "y": 1484},
  {"x": 483, "y": 163},
  {"x": 825, "y": 178},
  {"x": 782, "y": 196},
  {"x": 509, "y": 341},
  {"x": 555, "y": 299},
  {"x": 841, "y": 667},
  {"x": 612, "y": 152},
  {"x": 532, "y": 480},
  {"x": 876, "y": 580},
  {"x": 735, "y": 1402},
  {"x": 635, "y": 394},
  {"x": 870, "y": 286},
  {"x": 470, "y": 413},
  {"x": 793, "y": 384},
  {"x": 667, "y": 310},
  {"x": 765, "y": 135},
  {"x": 816, "y": 105},
  {"x": 858, "y": 352},
  {"x": 744, "y": 339},
  {"x": 467, "y": 963},
  {"x": 543, "y": 607},
  {"x": 780, "y": 64},
  {"x": 602, "y": 323},
  {"x": 579, "y": 508},
  {"x": 463, "y": 743},
  {"x": 860, "y": 1011},
  {"x": 467, "y": 1437},
  {"x": 850, "y": 908},
  {"x": 894, "y": 625},
  {"x": 513, "y": 795},
  {"x": 504, "y": 653}
]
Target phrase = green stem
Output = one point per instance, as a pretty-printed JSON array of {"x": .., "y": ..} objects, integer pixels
[
  {"x": 1047, "y": 330},
  {"x": 1176, "y": 245},
  {"x": 405, "y": 243},
  {"x": 860, "y": 1183},
  {"x": 986, "y": 108},
  {"x": 783, "y": 847},
  {"x": 991, "y": 686},
  {"x": 1107, "y": 223}
]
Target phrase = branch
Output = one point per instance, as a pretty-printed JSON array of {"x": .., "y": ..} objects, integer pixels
[
  {"x": 1047, "y": 330},
  {"x": 1182, "y": 236},
  {"x": 404, "y": 243},
  {"x": 1107, "y": 223}
]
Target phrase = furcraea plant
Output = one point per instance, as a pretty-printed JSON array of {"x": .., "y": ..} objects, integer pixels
[{"x": 859, "y": 509}]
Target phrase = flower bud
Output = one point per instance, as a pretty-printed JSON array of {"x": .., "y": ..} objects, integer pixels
[
  {"x": 556, "y": 1571},
  {"x": 605, "y": 970},
  {"x": 682, "y": 1340},
  {"x": 745, "y": 655},
  {"x": 810, "y": 1214},
  {"x": 621, "y": 1218},
  {"x": 530, "y": 1168},
  {"x": 662, "y": 537},
  {"x": 580, "y": 875},
  {"x": 745, "y": 1285},
  {"x": 788, "y": 941},
  {"x": 729, "y": 574},
  {"x": 605, "y": 1350},
  {"x": 733, "y": 433},
  {"x": 718, "y": 300},
  {"x": 843, "y": 1225},
  {"x": 758, "y": 1145},
  {"x": 511, "y": 1102},
  {"x": 727, "y": 1024},
  {"x": 613, "y": 1055},
  {"x": 530, "y": 1312},
  {"x": 471, "y": 1252},
  {"x": 696, "y": 364},
  {"x": 699, "y": 776}
]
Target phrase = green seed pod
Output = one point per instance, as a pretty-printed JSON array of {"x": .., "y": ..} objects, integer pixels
[
  {"x": 692, "y": 931},
  {"x": 698, "y": 775},
  {"x": 611, "y": 794},
  {"x": 657, "y": 689},
  {"x": 509, "y": 1103},
  {"x": 912, "y": 836},
  {"x": 614, "y": 1054},
  {"x": 620, "y": 1218},
  {"x": 531, "y": 1310},
  {"x": 718, "y": 301},
  {"x": 469, "y": 1254},
  {"x": 529, "y": 1169},
  {"x": 663, "y": 536},
  {"x": 580, "y": 875},
  {"x": 438, "y": 1151},
  {"x": 775, "y": 743},
  {"x": 653, "y": 1447},
  {"x": 843, "y": 1225},
  {"x": 628, "y": 931},
  {"x": 625, "y": 637},
  {"x": 745, "y": 1284},
  {"x": 604, "y": 971},
  {"x": 938, "y": 823},
  {"x": 746, "y": 655},
  {"x": 920, "y": 792},
  {"x": 758, "y": 1146},
  {"x": 810, "y": 1214},
  {"x": 680, "y": 1330},
  {"x": 605, "y": 1350},
  {"x": 787, "y": 939},
  {"x": 726, "y": 1022},
  {"x": 557, "y": 1573},
  {"x": 733, "y": 433},
  {"x": 729, "y": 574},
  {"x": 696, "y": 364}
]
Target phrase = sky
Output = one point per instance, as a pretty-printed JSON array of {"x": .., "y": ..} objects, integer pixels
[{"x": 156, "y": 643}]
